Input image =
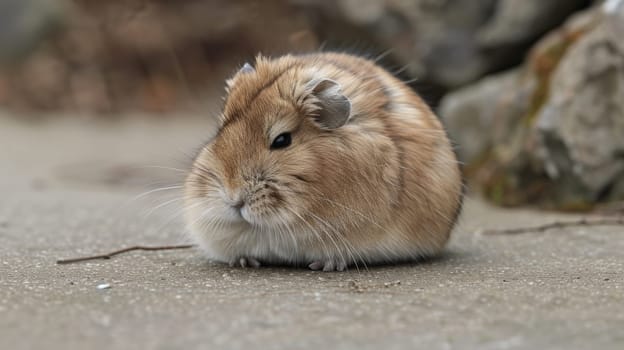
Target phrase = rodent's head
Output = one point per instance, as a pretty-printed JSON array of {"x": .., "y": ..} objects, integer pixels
[{"x": 268, "y": 163}]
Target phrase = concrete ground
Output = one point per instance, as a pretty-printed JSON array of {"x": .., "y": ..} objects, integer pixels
[{"x": 69, "y": 188}]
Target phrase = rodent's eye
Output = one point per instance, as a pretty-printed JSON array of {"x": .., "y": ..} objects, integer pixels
[{"x": 282, "y": 141}]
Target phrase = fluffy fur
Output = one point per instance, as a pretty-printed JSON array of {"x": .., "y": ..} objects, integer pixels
[{"x": 382, "y": 188}]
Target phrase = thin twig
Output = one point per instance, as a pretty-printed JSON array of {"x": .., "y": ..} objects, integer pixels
[
  {"x": 557, "y": 225},
  {"x": 120, "y": 251},
  {"x": 611, "y": 209}
]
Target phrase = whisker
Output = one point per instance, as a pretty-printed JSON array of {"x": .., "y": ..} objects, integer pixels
[
  {"x": 162, "y": 167},
  {"x": 155, "y": 190},
  {"x": 316, "y": 234},
  {"x": 383, "y": 55},
  {"x": 182, "y": 211},
  {"x": 152, "y": 210},
  {"x": 338, "y": 250}
]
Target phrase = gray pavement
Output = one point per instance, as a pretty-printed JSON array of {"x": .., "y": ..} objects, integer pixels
[{"x": 69, "y": 188}]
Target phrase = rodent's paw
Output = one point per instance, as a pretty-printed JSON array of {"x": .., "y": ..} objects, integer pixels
[
  {"x": 328, "y": 265},
  {"x": 245, "y": 262}
]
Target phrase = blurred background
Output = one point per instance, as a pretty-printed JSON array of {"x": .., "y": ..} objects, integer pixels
[{"x": 531, "y": 91}]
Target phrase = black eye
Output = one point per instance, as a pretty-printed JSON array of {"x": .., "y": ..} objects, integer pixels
[{"x": 281, "y": 141}]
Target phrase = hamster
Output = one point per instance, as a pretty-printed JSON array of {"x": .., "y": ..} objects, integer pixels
[{"x": 326, "y": 161}]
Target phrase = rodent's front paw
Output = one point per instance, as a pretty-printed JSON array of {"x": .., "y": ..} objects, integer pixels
[
  {"x": 328, "y": 265},
  {"x": 245, "y": 262}
]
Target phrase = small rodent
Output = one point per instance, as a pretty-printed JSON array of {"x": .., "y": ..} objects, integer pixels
[{"x": 323, "y": 160}]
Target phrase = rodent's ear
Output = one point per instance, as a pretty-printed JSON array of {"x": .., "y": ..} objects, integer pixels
[
  {"x": 245, "y": 69},
  {"x": 333, "y": 108}
]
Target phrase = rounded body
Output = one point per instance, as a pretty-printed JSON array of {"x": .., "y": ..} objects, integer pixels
[{"x": 323, "y": 160}]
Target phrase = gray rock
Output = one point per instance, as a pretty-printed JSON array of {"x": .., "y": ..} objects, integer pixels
[
  {"x": 555, "y": 126},
  {"x": 585, "y": 111},
  {"x": 521, "y": 21},
  {"x": 478, "y": 117}
]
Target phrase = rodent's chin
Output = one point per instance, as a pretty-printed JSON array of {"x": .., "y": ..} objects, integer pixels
[
  {"x": 246, "y": 214},
  {"x": 254, "y": 219}
]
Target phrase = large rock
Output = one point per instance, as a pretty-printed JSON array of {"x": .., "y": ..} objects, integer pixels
[
  {"x": 563, "y": 135},
  {"x": 479, "y": 116},
  {"x": 581, "y": 127}
]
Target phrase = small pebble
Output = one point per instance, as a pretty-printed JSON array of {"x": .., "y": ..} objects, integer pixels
[
  {"x": 389, "y": 284},
  {"x": 103, "y": 286}
]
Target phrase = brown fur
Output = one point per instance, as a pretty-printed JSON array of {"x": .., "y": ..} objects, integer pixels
[{"x": 382, "y": 188}]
